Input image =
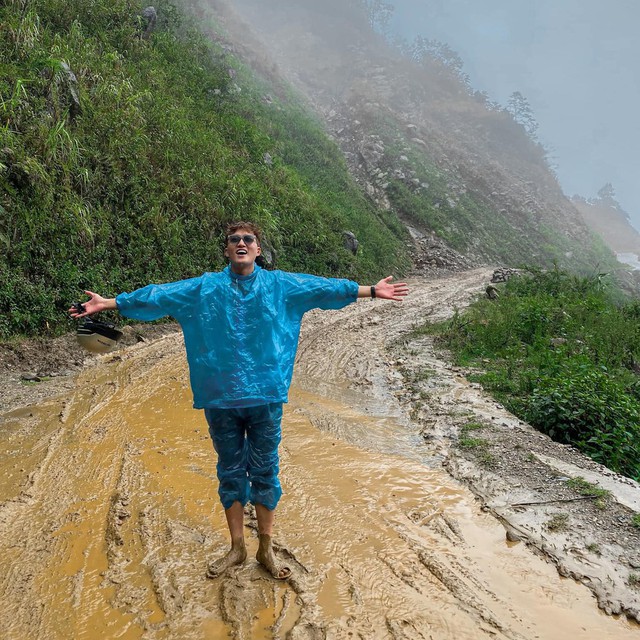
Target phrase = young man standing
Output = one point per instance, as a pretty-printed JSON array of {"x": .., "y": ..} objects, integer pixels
[{"x": 241, "y": 329}]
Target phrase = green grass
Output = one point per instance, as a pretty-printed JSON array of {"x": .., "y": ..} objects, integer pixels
[
  {"x": 472, "y": 443},
  {"x": 584, "y": 488},
  {"x": 589, "y": 490},
  {"x": 582, "y": 390},
  {"x": 167, "y": 149},
  {"x": 471, "y": 426}
]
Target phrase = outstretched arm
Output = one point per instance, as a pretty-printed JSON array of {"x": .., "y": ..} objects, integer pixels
[
  {"x": 385, "y": 289},
  {"x": 95, "y": 304}
]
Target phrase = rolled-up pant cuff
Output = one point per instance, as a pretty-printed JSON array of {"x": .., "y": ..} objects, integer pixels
[{"x": 246, "y": 441}]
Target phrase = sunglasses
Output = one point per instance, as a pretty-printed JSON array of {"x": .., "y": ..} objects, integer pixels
[{"x": 247, "y": 239}]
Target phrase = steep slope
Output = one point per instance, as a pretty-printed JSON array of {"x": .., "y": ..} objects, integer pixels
[
  {"x": 421, "y": 144},
  {"x": 128, "y": 142}
]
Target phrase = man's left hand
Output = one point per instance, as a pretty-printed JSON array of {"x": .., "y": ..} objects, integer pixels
[{"x": 387, "y": 290}]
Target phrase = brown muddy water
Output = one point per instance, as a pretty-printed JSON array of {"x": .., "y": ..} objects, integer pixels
[{"x": 109, "y": 516}]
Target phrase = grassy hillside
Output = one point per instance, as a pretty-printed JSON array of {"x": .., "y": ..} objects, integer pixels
[
  {"x": 449, "y": 161},
  {"x": 135, "y": 181},
  {"x": 561, "y": 352}
]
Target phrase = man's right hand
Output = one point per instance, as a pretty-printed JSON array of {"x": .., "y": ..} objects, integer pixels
[{"x": 95, "y": 304}]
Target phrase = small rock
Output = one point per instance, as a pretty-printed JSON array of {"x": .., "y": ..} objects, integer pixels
[
  {"x": 350, "y": 242},
  {"x": 151, "y": 16}
]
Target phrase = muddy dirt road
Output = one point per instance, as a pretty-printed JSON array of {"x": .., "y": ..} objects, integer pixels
[{"x": 109, "y": 513}]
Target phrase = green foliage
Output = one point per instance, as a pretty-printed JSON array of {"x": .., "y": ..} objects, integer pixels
[
  {"x": 520, "y": 109},
  {"x": 561, "y": 352},
  {"x": 168, "y": 146},
  {"x": 466, "y": 220},
  {"x": 587, "y": 489}
]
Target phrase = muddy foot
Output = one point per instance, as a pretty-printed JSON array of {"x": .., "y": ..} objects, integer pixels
[
  {"x": 267, "y": 558},
  {"x": 236, "y": 555}
]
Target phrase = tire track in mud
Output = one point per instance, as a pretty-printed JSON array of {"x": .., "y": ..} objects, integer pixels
[
  {"x": 112, "y": 534},
  {"x": 25, "y": 592}
]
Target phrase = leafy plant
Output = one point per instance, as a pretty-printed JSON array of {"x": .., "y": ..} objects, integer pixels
[
  {"x": 560, "y": 351},
  {"x": 166, "y": 149}
]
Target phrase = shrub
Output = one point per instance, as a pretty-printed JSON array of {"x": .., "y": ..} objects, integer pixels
[{"x": 560, "y": 351}]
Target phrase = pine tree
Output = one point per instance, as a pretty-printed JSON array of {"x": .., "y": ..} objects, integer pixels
[{"x": 520, "y": 109}]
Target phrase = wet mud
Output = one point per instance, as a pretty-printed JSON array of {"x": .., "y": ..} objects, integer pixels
[{"x": 109, "y": 515}]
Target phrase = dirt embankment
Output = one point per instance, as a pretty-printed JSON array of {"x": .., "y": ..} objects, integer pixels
[{"x": 108, "y": 513}]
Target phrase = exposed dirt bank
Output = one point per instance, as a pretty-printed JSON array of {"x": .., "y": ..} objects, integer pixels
[
  {"x": 33, "y": 370},
  {"x": 109, "y": 514}
]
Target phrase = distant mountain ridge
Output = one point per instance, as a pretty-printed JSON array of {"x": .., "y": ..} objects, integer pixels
[{"x": 611, "y": 223}]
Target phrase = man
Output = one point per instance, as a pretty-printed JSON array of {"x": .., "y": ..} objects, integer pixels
[{"x": 241, "y": 329}]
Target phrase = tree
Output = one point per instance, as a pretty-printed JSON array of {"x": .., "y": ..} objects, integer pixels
[
  {"x": 607, "y": 193},
  {"x": 607, "y": 197},
  {"x": 520, "y": 109},
  {"x": 425, "y": 50},
  {"x": 379, "y": 14}
]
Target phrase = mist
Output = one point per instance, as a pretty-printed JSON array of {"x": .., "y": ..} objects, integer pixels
[{"x": 576, "y": 63}]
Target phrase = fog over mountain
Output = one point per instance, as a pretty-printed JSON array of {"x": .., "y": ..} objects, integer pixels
[{"x": 576, "y": 62}]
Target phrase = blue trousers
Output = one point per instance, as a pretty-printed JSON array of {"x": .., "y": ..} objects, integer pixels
[{"x": 246, "y": 441}]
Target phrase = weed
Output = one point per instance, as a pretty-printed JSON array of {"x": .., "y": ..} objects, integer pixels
[
  {"x": 472, "y": 426},
  {"x": 559, "y": 522},
  {"x": 487, "y": 459},
  {"x": 635, "y": 520},
  {"x": 634, "y": 580},
  {"x": 472, "y": 443},
  {"x": 584, "y": 488},
  {"x": 594, "y": 548}
]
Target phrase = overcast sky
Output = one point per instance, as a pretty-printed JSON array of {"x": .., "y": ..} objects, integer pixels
[{"x": 576, "y": 61}]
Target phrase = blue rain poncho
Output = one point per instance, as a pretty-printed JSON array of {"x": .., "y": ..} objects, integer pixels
[{"x": 240, "y": 332}]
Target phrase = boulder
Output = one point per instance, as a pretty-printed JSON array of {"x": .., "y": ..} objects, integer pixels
[
  {"x": 350, "y": 242},
  {"x": 71, "y": 83},
  {"x": 149, "y": 20}
]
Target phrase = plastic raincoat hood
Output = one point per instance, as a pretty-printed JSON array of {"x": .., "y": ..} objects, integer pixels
[{"x": 240, "y": 332}]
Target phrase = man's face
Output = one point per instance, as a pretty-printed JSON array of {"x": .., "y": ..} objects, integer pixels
[{"x": 243, "y": 253}]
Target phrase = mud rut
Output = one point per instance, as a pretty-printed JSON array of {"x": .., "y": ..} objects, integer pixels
[{"x": 109, "y": 513}]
